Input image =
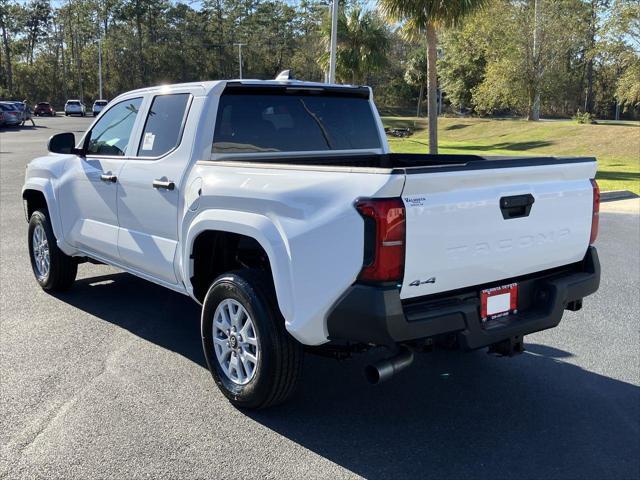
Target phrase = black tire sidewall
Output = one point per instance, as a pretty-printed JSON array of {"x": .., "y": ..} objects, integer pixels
[{"x": 253, "y": 299}]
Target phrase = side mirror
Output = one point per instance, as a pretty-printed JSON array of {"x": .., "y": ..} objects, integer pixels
[{"x": 63, "y": 143}]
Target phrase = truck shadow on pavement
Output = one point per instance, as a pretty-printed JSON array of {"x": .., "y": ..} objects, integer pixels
[{"x": 451, "y": 415}]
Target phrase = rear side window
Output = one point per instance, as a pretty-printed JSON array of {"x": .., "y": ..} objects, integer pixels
[
  {"x": 163, "y": 127},
  {"x": 293, "y": 122}
]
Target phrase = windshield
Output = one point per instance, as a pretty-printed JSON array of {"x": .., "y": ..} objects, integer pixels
[
  {"x": 71, "y": 102},
  {"x": 101, "y": 103},
  {"x": 293, "y": 122},
  {"x": 7, "y": 107}
]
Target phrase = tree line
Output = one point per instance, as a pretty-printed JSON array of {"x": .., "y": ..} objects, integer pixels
[{"x": 502, "y": 57}]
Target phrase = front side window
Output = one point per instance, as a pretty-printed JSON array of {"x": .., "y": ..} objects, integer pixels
[
  {"x": 163, "y": 127},
  {"x": 293, "y": 122},
  {"x": 110, "y": 136}
]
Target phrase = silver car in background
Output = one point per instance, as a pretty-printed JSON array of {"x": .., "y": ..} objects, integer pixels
[
  {"x": 74, "y": 107},
  {"x": 12, "y": 114},
  {"x": 98, "y": 105}
]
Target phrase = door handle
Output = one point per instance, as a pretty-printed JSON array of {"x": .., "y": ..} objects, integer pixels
[
  {"x": 164, "y": 184},
  {"x": 108, "y": 177}
]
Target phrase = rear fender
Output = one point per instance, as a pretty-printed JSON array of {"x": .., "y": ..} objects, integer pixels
[{"x": 251, "y": 225}]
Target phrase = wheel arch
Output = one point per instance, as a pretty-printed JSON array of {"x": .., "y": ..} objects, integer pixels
[
  {"x": 38, "y": 193},
  {"x": 33, "y": 200},
  {"x": 247, "y": 226}
]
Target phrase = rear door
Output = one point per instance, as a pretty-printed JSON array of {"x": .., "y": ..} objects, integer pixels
[
  {"x": 468, "y": 227},
  {"x": 150, "y": 188}
]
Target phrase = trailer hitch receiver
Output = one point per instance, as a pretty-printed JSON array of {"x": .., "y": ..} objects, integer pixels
[{"x": 508, "y": 348}]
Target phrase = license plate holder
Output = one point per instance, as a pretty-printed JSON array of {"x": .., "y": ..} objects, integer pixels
[{"x": 498, "y": 301}]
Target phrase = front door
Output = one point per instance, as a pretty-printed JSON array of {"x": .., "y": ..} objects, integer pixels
[
  {"x": 149, "y": 189},
  {"x": 88, "y": 190}
]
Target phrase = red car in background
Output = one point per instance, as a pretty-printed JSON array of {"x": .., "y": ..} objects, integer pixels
[{"x": 44, "y": 108}]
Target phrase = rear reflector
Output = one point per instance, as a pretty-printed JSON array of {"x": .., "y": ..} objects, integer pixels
[
  {"x": 595, "y": 217},
  {"x": 384, "y": 242}
]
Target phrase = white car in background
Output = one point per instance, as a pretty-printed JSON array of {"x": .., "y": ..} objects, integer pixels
[
  {"x": 74, "y": 107},
  {"x": 98, "y": 105}
]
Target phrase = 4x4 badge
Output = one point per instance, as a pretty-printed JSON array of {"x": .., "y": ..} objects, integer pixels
[{"x": 417, "y": 283}]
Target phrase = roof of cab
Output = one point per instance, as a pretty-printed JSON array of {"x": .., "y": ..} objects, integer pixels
[{"x": 208, "y": 86}]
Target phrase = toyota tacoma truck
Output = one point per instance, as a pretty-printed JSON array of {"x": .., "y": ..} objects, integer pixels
[{"x": 279, "y": 208}]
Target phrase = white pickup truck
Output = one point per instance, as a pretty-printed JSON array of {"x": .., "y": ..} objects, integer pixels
[{"x": 278, "y": 207}]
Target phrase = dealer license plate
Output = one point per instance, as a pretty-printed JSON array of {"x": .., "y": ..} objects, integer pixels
[{"x": 498, "y": 301}]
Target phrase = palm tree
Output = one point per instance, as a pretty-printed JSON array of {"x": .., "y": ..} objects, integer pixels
[
  {"x": 363, "y": 42},
  {"x": 416, "y": 74},
  {"x": 423, "y": 17}
]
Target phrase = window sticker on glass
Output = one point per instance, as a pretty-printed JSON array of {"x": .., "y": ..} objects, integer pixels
[
  {"x": 163, "y": 127},
  {"x": 147, "y": 142}
]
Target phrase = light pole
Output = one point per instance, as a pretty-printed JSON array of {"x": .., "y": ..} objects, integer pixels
[
  {"x": 240, "y": 45},
  {"x": 334, "y": 42},
  {"x": 100, "y": 66}
]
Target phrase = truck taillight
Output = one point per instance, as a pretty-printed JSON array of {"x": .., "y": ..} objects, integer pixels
[
  {"x": 384, "y": 243},
  {"x": 595, "y": 217}
]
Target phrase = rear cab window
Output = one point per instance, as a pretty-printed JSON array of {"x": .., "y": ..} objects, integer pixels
[
  {"x": 262, "y": 120},
  {"x": 164, "y": 124}
]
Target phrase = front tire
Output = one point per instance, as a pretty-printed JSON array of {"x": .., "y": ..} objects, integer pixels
[
  {"x": 252, "y": 358},
  {"x": 54, "y": 270}
]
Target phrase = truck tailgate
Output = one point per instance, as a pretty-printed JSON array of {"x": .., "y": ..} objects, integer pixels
[{"x": 477, "y": 224}]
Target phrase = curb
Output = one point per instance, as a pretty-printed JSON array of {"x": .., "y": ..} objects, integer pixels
[{"x": 613, "y": 195}]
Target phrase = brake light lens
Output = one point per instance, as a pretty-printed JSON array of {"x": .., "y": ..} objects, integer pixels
[
  {"x": 595, "y": 218},
  {"x": 385, "y": 235}
]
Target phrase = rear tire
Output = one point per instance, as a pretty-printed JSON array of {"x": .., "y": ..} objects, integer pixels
[
  {"x": 270, "y": 379},
  {"x": 54, "y": 270}
]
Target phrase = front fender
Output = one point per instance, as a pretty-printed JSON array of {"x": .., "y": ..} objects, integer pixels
[
  {"x": 44, "y": 186},
  {"x": 253, "y": 225}
]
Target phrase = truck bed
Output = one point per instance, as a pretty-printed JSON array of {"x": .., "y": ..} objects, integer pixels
[{"x": 412, "y": 163}]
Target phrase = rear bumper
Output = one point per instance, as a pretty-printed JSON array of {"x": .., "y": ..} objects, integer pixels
[{"x": 372, "y": 314}]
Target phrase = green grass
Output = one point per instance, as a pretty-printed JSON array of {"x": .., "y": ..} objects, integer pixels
[{"x": 616, "y": 145}]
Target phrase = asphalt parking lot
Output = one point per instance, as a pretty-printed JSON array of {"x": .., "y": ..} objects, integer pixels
[{"x": 108, "y": 381}]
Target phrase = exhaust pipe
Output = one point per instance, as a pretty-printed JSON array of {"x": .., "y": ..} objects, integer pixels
[{"x": 387, "y": 368}]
